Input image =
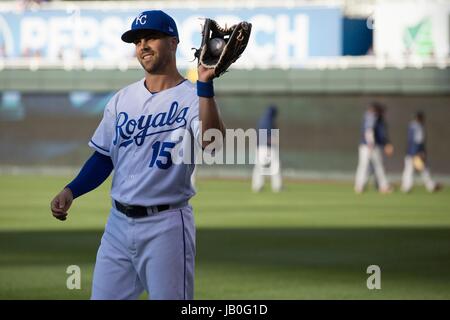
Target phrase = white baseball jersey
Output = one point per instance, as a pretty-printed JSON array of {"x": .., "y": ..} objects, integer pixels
[
  {"x": 417, "y": 132},
  {"x": 139, "y": 130}
]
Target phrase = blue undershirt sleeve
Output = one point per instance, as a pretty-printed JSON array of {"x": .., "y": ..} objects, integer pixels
[{"x": 94, "y": 172}]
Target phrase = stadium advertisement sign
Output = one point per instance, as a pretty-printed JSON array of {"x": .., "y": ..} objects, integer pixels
[
  {"x": 418, "y": 30},
  {"x": 280, "y": 36}
]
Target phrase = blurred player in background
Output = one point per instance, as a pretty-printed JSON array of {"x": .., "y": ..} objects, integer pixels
[
  {"x": 415, "y": 158},
  {"x": 374, "y": 141},
  {"x": 267, "y": 161}
]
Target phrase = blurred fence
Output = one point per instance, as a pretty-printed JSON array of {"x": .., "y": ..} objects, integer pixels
[{"x": 319, "y": 120}]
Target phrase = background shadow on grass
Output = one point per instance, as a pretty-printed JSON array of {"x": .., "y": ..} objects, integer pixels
[{"x": 285, "y": 263}]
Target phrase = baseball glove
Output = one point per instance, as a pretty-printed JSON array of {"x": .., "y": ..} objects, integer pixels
[{"x": 235, "y": 38}]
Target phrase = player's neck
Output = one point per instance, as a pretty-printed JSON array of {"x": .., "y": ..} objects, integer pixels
[{"x": 162, "y": 81}]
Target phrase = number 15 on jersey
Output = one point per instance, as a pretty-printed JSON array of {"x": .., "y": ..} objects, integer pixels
[{"x": 161, "y": 151}]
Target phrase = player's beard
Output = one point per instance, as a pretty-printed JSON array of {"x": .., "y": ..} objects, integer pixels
[{"x": 156, "y": 64}]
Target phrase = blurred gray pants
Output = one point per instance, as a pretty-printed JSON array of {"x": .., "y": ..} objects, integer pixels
[
  {"x": 267, "y": 163},
  {"x": 366, "y": 157},
  {"x": 408, "y": 176}
]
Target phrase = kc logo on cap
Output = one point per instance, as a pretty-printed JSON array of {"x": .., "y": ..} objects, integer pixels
[
  {"x": 152, "y": 20},
  {"x": 142, "y": 19}
]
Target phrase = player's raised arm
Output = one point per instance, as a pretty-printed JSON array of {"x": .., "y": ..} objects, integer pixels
[
  {"x": 209, "y": 113},
  {"x": 220, "y": 47}
]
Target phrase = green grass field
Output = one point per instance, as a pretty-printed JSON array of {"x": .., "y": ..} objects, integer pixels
[{"x": 312, "y": 241}]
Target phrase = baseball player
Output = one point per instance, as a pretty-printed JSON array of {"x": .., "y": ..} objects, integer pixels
[
  {"x": 267, "y": 160},
  {"x": 149, "y": 238},
  {"x": 415, "y": 158},
  {"x": 374, "y": 140}
]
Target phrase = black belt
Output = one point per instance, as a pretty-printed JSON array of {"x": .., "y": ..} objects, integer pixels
[{"x": 139, "y": 211}]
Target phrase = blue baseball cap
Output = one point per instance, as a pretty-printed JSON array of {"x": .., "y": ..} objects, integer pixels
[{"x": 155, "y": 20}]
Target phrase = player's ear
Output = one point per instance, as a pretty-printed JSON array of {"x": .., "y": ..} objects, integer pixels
[{"x": 173, "y": 43}]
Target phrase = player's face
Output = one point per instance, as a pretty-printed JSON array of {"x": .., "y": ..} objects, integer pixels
[{"x": 155, "y": 51}]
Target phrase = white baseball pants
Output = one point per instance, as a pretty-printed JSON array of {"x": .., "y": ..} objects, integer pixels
[
  {"x": 408, "y": 176},
  {"x": 267, "y": 162},
  {"x": 154, "y": 253},
  {"x": 367, "y": 157}
]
